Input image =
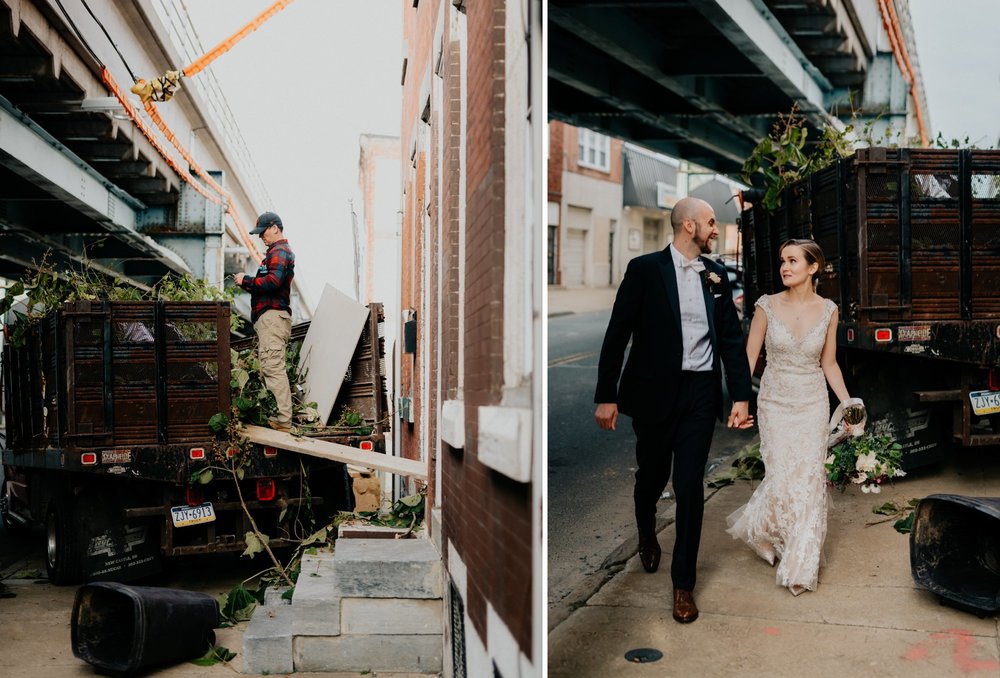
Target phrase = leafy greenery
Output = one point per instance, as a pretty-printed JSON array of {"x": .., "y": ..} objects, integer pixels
[
  {"x": 868, "y": 460},
  {"x": 748, "y": 465},
  {"x": 787, "y": 154},
  {"x": 782, "y": 157},
  {"x": 45, "y": 288},
  {"x": 237, "y": 605},
  {"x": 216, "y": 654},
  {"x": 902, "y": 512}
]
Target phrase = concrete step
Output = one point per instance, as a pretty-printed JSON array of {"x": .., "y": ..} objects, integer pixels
[
  {"x": 373, "y": 653},
  {"x": 267, "y": 642},
  {"x": 371, "y": 605},
  {"x": 388, "y": 568}
]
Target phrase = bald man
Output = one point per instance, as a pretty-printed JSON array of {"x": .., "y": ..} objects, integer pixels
[{"x": 677, "y": 308}]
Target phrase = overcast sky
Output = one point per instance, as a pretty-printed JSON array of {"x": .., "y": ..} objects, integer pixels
[
  {"x": 958, "y": 44},
  {"x": 303, "y": 87}
]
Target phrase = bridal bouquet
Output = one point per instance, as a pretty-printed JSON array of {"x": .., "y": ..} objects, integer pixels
[{"x": 867, "y": 460}]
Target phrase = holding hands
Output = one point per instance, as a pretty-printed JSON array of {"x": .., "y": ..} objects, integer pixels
[{"x": 740, "y": 417}]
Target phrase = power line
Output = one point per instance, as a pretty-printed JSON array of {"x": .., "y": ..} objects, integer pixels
[
  {"x": 79, "y": 35},
  {"x": 108, "y": 35}
]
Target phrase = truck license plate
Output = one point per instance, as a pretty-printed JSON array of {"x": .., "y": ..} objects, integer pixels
[
  {"x": 192, "y": 515},
  {"x": 985, "y": 402}
]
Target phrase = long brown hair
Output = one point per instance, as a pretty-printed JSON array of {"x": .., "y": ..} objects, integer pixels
[{"x": 812, "y": 251}]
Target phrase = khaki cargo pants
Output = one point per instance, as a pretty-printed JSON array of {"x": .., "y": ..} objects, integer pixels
[{"x": 274, "y": 328}]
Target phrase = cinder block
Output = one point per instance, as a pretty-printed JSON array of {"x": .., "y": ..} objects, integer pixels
[
  {"x": 369, "y": 653},
  {"x": 267, "y": 642},
  {"x": 390, "y": 616},
  {"x": 382, "y": 568}
]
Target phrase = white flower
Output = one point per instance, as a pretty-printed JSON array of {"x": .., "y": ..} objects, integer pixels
[
  {"x": 874, "y": 489},
  {"x": 898, "y": 473},
  {"x": 714, "y": 278},
  {"x": 866, "y": 462},
  {"x": 859, "y": 479},
  {"x": 831, "y": 459},
  {"x": 866, "y": 488}
]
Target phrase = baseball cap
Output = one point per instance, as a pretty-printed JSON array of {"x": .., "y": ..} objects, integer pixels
[{"x": 264, "y": 221}]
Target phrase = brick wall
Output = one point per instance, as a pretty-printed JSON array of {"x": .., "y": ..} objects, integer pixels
[
  {"x": 572, "y": 156},
  {"x": 484, "y": 515},
  {"x": 557, "y": 160}
]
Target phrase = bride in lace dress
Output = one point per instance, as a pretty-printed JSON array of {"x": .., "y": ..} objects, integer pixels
[{"x": 785, "y": 519}]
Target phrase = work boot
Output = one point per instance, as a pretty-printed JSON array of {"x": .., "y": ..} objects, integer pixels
[{"x": 279, "y": 425}]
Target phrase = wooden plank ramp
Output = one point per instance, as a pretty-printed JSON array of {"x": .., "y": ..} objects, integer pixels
[{"x": 325, "y": 449}]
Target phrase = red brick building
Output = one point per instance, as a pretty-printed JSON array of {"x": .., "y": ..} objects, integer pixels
[{"x": 470, "y": 395}]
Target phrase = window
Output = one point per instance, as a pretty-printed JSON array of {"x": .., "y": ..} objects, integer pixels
[{"x": 595, "y": 150}]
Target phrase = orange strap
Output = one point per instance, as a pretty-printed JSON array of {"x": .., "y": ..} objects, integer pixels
[
  {"x": 199, "y": 64},
  {"x": 133, "y": 113},
  {"x": 140, "y": 123},
  {"x": 890, "y": 20}
]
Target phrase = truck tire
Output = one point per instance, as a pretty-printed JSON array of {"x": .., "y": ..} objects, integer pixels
[{"x": 63, "y": 558}]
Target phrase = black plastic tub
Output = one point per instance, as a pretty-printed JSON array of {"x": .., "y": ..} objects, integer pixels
[
  {"x": 955, "y": 550},
  {"x": 122, "y": 629}
]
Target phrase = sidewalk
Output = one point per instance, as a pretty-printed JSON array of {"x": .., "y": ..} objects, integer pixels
[
  {"x": 563, "y": 301},
  {"x": 867, "y": 618}
]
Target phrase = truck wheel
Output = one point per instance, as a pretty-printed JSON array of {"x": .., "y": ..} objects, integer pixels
[{"x": 62, "y": 552}]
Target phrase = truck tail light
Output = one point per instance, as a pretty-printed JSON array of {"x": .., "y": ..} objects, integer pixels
[
  {"x": 88, "y": 458},
  {"x": 195, "y": 496},
  {"x": 883, "y": 335},
  {"x": 367, "y": 445},
  {"x": 265, "y": 489},
  {"x": 994, "y": 380},
  {"x": 270, "y": 451},
  {"x": 197, "y": 452}
]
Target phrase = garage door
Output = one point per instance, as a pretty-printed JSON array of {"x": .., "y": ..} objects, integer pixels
[{"x": 573, "y": 257}]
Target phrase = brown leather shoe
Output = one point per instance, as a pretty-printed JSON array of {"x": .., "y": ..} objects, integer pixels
[
  {"x": 685, "y": 611},
  {"x": 649, "y": 552}
]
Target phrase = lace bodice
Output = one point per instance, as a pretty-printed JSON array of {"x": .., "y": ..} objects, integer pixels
[{"x": 786, "y": 516}]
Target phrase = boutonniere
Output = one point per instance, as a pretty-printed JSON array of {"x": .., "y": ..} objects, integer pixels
[{"x": 711, "y": 279}]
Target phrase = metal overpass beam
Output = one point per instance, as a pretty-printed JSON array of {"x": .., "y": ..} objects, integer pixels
[
  {"x": 36, "y": 156},
  {"x": 762, "y": 39}
]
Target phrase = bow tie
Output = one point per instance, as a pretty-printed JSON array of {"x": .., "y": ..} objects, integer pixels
[{"x": 696, "y": 265}]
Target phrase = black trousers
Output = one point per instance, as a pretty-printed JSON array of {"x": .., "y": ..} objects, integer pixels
[{"x": 680, "y": 438}]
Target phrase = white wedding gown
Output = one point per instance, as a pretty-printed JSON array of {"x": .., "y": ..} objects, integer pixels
[{"x": 786, "y": 515}]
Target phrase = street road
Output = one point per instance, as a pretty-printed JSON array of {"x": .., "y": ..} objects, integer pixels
[{"x": 591, "y": 471}]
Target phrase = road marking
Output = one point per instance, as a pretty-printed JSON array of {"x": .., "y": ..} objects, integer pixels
[{"x": 576, "y": 357}]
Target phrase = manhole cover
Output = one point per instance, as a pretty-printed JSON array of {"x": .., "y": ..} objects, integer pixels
[{"x": 643, "y": 655}]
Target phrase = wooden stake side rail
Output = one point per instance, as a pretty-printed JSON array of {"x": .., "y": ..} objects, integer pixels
[{"x": 337, "y": 452}]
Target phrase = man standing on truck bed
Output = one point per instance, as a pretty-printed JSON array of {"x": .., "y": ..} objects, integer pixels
[{"x": 271, "y": 312}]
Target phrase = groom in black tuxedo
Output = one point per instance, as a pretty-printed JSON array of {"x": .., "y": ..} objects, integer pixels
[{"x": 677, "y": 307}]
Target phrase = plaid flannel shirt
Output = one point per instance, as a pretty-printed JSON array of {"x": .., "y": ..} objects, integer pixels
[{"x": 271, "y": 287}]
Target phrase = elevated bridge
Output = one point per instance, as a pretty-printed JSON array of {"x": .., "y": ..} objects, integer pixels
[
  {"x": 81, "y": 180},
  {"x": 704, "y": 80}
]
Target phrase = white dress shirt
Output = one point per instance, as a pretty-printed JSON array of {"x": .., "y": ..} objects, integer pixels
[{"x": 697, "y": 356}]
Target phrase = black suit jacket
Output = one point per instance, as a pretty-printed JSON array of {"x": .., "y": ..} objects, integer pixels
[{"x": 647, "y": 310}]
